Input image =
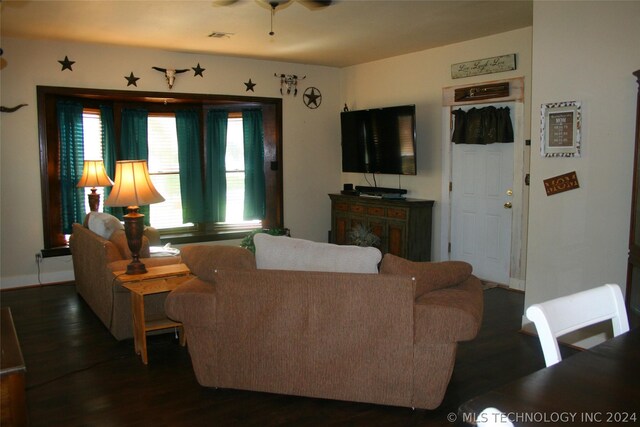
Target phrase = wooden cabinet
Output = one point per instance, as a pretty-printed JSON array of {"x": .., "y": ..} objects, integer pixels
[
  {"x": 633, "y": 272},
  {"x": 404, "y": 226}
]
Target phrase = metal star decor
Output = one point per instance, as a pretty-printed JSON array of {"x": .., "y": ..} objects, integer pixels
[
  {"x": 198, "y": 70},
  {"x": 250, "y": 85},
  {"x": 312, "y": 97},
  {"x": 66, "y": 64},
  {"x": 131, "y": 80}
]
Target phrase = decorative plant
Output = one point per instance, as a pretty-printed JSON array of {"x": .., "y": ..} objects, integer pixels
[
  {"x": 363, "y": 236},
  {"x": 247, "y": 242}
]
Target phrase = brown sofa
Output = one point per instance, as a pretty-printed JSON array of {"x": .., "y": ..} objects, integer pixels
[
  {"x": 94, "y": 261},
  {"x": 348, "y": 336}
]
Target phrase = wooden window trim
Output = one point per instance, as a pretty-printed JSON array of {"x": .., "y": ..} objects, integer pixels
[{"x": 156, "y": 102}]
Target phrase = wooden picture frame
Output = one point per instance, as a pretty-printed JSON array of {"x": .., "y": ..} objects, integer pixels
[{"x": 560, "y": 129}]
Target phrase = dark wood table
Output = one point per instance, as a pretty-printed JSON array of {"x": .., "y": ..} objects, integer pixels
[
  {"x": 13, "y": 406},
  {"x": 597, "y": 386}
]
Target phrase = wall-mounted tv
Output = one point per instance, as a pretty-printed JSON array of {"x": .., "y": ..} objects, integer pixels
[{"x": 381, "y": 140}]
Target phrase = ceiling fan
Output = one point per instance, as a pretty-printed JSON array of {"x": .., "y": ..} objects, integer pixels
[{"x": 275, "y": 4}]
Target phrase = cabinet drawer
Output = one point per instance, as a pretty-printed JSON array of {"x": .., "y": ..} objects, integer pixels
[
  {"x": 344, "y": 207},
  {"x": 357, "y": 208},
  {"x": 375, "y": 211},
  {"x": 397, "y": 213}
]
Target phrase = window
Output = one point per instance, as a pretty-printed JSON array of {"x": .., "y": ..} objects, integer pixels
[
  {"x": 92, "y": 132},
  {"x": 165, "y": 172},
  {"x": 234, "y": 162},
  {"x": 162, "y": 157}
]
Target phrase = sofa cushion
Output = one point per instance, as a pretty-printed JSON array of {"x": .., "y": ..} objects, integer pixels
[
  {"x": 103, "y": 224},
  {"x": 287, "y": 253},
  {"x": 429, "y": 275},
  {"x": 119, "y": 238},
  {"x": 204, "y": 260}
]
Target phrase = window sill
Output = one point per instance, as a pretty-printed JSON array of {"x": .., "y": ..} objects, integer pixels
[
  {"x": 196, "y": 237},
  {"x": 173, "y": 238},
  {"x": 54, "y": 252}
]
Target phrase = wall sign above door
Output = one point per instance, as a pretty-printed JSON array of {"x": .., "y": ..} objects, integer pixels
[{"x": 496, "y": 64}]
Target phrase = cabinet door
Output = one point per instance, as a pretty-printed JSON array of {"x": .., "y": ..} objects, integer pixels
[
  {"x": 633, "y": 273},
  {"x": 340, "y": 228},
  {"x": 378, "y": 226},
  {"x": 396, "y": 238}
]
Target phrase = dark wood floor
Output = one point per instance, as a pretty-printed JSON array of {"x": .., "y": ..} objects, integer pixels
[{"x": 78, "y": 375}]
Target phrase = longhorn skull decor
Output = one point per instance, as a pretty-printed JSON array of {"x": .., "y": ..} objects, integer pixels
[
  {"x": 169, "y": 74},
  {"x": 289, "y": 81}
]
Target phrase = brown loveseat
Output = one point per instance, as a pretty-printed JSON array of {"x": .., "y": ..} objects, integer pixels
[
  {"x": 348, "y": 336},
  {"x": 95, "y": 258}
]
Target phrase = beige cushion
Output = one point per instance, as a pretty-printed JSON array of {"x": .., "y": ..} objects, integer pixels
[
  {"x": 153, "y": 235},
  {"x": 204, "y": 260},
  {"x": 429, "y": 275},
  {"x": 103, "y": 224},
  {"x": 119, "y": 238},
  {"x": 287, "y": 253}
]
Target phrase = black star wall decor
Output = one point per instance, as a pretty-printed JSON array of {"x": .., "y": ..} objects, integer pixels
[
  {"x": 66, "y": 64},
  {"x": 250, "y": 85},
  {"x": 131, "y": 80},
  {"x": 198, "y": 70},
  {"x": 312, "y": 97}
]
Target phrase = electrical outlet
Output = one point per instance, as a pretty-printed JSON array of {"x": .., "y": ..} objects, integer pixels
[{"x": 38, "y": 258}]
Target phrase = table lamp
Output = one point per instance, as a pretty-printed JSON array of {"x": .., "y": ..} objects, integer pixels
[
  {"x": 133, "y": 188},
  {"x": 94, "y": 175}
]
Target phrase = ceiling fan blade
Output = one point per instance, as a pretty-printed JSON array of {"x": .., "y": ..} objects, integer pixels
[
  {"x": 316, "y": 4},
  {"x": 224, "y": 2}
]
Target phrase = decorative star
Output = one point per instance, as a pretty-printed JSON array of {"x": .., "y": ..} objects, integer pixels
[
  {"x": 66, "y": 64},
  {"x": 312, "y": 97},
  {"x": 250, "y": 85},
  {"x": 198, "y": 70},
  {"x": 131, "y": 80}
]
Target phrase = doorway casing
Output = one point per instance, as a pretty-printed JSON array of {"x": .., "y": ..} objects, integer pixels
[{"x": 520, "y": 168}]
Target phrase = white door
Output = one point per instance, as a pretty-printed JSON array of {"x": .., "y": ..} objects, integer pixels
[{"x": 481, "y": 215}]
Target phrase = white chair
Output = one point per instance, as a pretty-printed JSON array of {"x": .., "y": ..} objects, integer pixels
[{"x": 566, "y": 314}]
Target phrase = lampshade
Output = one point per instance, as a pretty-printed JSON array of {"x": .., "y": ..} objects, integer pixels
[
  {"x": 94, "y": 175},
  {"x": 133, "y": 186}
]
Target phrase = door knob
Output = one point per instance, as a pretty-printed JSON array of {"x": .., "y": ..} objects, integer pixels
[{"x": 508, "y": 205}]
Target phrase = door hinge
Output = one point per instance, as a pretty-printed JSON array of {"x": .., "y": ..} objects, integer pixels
[
  {"x": 450, "y": 186},
  {"x": 449, "y": 247}
]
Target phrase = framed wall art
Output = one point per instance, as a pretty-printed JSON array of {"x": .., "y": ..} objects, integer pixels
[{"x": 560, "y": 129}]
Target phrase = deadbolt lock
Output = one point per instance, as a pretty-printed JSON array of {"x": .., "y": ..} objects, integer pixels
[{"x": 509, "y": 192}]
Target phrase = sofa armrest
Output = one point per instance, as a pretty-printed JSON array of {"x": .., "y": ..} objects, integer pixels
[
  {"x": 192, "y": 303},
  {"x": 451, "y": 314}
]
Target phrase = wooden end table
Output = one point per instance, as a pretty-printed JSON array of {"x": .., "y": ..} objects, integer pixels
[{"x": 156, "y": 280}]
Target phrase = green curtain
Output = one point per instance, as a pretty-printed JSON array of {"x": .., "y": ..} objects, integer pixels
[
  {"x": 189, "y": 159},
  {"x": 71, "y": 163},
  {"x": 254, "y": 183},
  {"x": 134, "y": 141},
  {"x": 215, "y": 200},
  {"x": 108, "y": 153}
]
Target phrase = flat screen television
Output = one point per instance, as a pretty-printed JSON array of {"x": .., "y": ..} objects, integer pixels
[{"x": 381, "y": 140}]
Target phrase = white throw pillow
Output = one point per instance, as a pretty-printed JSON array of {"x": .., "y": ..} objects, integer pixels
[
  {"x": 287, "y": 253},
  {"x": 103, "y": 224}
]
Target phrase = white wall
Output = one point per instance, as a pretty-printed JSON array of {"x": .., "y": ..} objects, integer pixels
[
  {"x": 311, "y": 137},
  {"x": 583, "y": 51},
  {"x": 419, "y": 78}
]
